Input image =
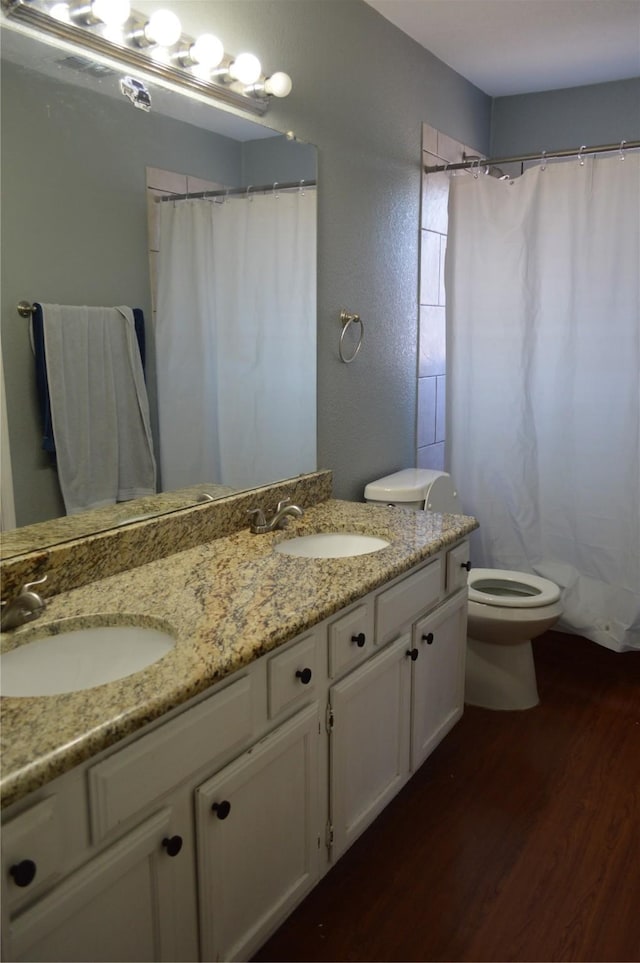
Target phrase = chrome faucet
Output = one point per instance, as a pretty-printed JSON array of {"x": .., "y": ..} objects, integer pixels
[
  {"x": 26, "y": 606},
  {"x": 259, "y": 523}
]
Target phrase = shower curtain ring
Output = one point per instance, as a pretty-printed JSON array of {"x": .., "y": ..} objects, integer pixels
[
  {"x": 247, "y": 194},
  {"x": 543, "y": 165},
  {"x": 275, "y": 190},
  {"x": 476, "y": 168},
  {"x": 301, "y": 188},
  {"x": 622, "y": 143},
  {"x": 581, "y": 155}
]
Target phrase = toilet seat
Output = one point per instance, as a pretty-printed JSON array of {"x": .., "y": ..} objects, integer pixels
[{"x": 516, "y": 590}]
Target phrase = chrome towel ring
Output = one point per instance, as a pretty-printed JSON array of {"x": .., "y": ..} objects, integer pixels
[{"x": 347, "y": 320}]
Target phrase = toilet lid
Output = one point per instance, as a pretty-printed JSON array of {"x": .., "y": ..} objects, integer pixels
[{"x": 516, "y": 590}]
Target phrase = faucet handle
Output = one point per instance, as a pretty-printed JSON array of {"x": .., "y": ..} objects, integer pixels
[
  {"x": 282, "y": 504},
  {"x": 26, "y": 606},
  {"x": 258, "y": 520},
  {"x": 29, "y": 585}
]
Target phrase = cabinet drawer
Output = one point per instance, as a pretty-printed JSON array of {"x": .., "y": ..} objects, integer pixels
[
  {"x": 31, "y": 849},
  {"x": 350, "y": 639},
  {"x": 457, "y": 571},
  {"x": 141, "y": 774},
  {"x": 291, "y": 676},
  {"x": 399, "y": 606}
]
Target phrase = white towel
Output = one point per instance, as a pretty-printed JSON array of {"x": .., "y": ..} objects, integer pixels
[{"x": 99, "y": 406}]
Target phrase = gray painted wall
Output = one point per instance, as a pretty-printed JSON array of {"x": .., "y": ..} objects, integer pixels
[
  {"x": 361, "y": 92},
  {"x": 595, "y": 114},
  {"x": 277, "y": 159}
]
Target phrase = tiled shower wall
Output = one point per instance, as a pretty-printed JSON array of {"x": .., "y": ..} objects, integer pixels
[{"x": 437, "y": 148}]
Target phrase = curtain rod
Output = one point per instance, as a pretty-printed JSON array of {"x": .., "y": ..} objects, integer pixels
[
  {"x": 251, "y": 189},
  {"x": 542, "y": 155}
]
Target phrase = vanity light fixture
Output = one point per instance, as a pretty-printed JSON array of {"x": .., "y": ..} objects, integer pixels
[{"x": 155, "y": 45}]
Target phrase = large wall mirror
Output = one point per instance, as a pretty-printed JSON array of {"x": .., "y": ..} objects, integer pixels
[{"x": 80, "y": 168}]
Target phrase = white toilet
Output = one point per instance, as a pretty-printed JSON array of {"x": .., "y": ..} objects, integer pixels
[{"x": 506, "y": 609}]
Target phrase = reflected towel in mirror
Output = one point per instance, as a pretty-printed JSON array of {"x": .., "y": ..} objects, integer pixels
[
  {"x": 42, "y": 384},
  {"x": 99, "y": 412}
]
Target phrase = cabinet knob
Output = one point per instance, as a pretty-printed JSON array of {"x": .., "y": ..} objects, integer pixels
[
  {"x": 466, "y": 565},
  {"x": 222, "y": 809},
  {"x": 304, "y": 675},
  {"x": 172, "y": 844},
  {"x": 413, "y": 654},
  {"x": 359, "y": 639},
  {"x": 428, "y": 638},
  {"x": 23, "y": 872}
]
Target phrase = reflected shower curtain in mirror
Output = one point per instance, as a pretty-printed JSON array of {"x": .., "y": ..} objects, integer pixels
[
  {"x": 543, "y": 314},
  {"x": 235, "y": 339}
]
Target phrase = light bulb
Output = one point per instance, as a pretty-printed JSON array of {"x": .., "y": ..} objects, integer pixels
[
  {"x": 207, "y": 51},
  {"x": 113, "y": 13},
  {"x": 163, "y": 28},
  {"x": 278, "y": 84},
  {"x": 61, "y": 12},
  {"x": 246, "y": 68}
]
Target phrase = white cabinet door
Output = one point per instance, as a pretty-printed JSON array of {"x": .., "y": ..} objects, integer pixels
[
  {"x": 119, "y": 906},
  {"x": 369, "y": 744},
  {"x": 438, "y": 676},
  {"x": 258, "y": 838}
]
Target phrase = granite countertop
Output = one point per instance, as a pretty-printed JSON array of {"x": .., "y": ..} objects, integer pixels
[
  {"x": 227, "y": 602},
  {"x": 42, "y": 534}
]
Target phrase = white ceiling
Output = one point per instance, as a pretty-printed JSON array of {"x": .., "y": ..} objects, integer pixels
[{"x": 521, "y": 46}]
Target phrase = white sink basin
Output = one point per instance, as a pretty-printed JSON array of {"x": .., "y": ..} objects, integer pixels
[
  {"x": 331, "y": 545},
  {"x": 80, "y": 658}
]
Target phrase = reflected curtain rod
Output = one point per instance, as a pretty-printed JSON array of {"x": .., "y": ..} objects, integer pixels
[
  {"x": 542, "y": 155},
  {"x": 251, "y": 189}
]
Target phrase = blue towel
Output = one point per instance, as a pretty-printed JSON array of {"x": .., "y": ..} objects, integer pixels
[{"x": 42, "y": 383}]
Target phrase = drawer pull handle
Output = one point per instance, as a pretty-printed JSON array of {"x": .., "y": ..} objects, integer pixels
[
  {"x": 23, "y": 872},
  {"x": 466, "y": 565},
  {"x": 304, "y": 675},
  {"x": 413, "y": 654},
  {"x": 172, "y": 844},
  {"x": 359, "y": 639},
  {"x": 428, "y": 638},
  {"x": 222, "y": 809}
]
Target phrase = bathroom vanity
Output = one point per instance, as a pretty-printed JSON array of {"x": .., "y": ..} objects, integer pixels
[{"x": 181, "y": 814}]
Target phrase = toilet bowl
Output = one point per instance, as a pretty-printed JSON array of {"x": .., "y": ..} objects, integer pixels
[{"x": 506, "y": 609}]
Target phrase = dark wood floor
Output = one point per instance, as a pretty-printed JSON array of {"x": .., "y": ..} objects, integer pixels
[{"x": 519, "y": 838}]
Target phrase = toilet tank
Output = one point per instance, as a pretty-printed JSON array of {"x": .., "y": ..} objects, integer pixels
[{"x": 416, "y": 488}]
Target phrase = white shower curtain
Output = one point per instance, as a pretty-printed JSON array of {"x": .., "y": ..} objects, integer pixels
[
  {"x": 235, "y": 339},
  {"x": 543, "y": 314}
]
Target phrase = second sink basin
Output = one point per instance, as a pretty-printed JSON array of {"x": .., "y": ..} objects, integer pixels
[
  {"x": 80, "y": 658},
  {"x": 331, "y": 545}
]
